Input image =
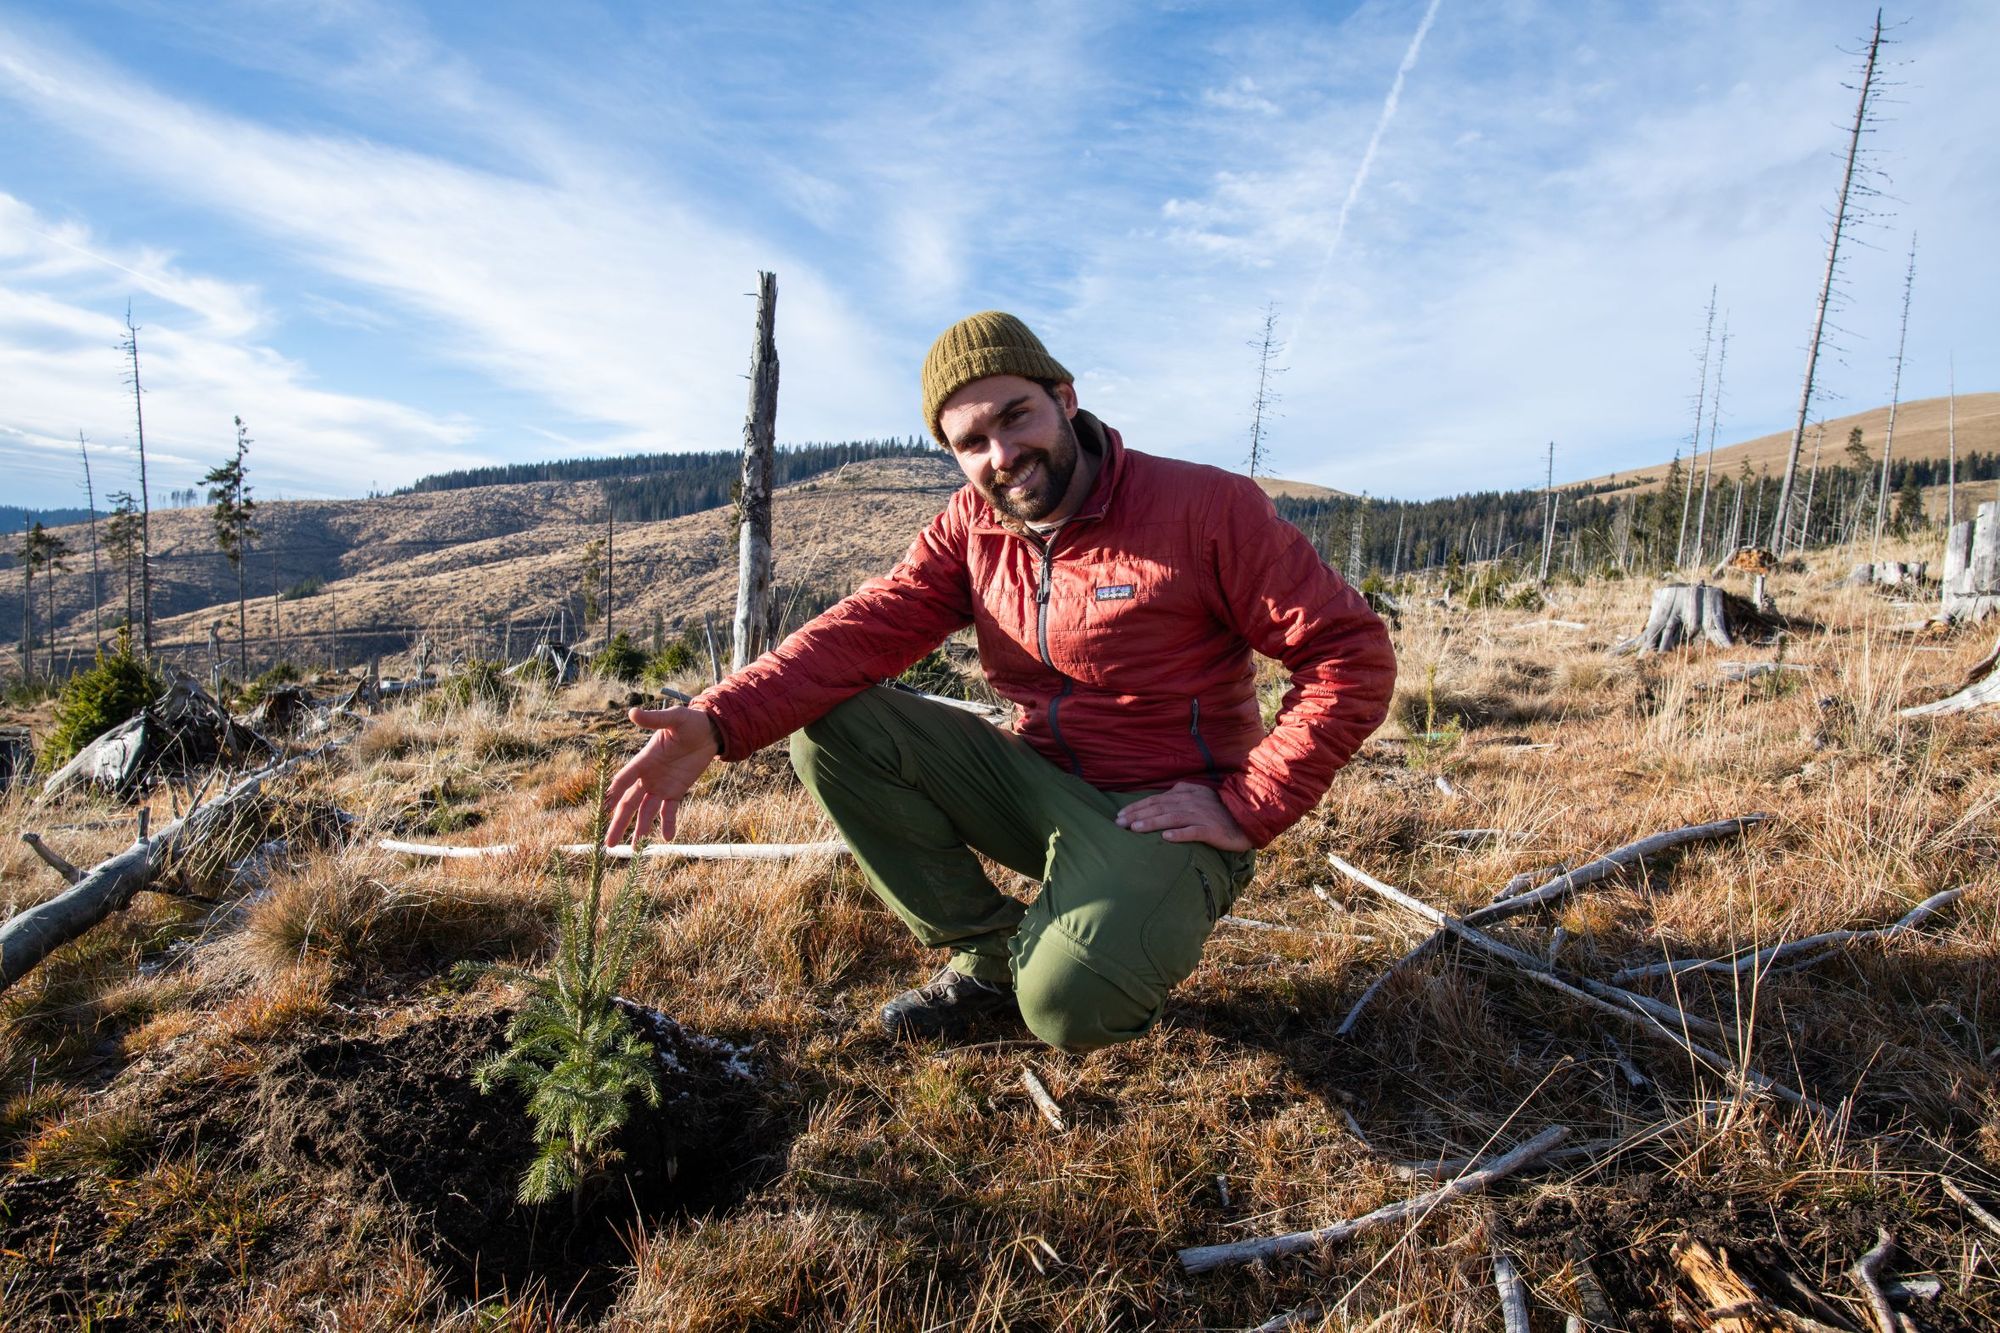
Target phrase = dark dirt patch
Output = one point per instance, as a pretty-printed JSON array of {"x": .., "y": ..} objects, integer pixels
[
  {"x": 386, "y": 1121},
  {"x": 1626, "y": 1232}
]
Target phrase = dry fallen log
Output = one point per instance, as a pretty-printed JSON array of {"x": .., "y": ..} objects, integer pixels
[
  {"x": 1511, "y": 901},
  {"x": 1202, "y": 1258},
  {"x": 1742, "y": 671},
  {"x": 1981, "y": 687},
  {"x": 692, "y": 851},
  {"x": 33, "y": 933},
  {"x": 1830, "y": 941},
  {"x": 1637, "y": 1010}
]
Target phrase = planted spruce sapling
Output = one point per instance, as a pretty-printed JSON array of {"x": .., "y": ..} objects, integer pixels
[{"x": 570, "y": 1048}]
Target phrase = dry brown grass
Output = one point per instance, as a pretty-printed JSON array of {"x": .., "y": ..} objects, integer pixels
[{"x": 915, "y": 1187}]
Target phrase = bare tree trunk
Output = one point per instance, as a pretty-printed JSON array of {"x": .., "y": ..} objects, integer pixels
[
  {"x": 753, "y": 579},
  {"x": 96, "y": 585},
  {"x": 610, "y": 557},
  {"x": 1780, "y": 529},
  {"x": 1549, "y": 524},
  {"x": 1951, "y": 449},
  {"x": 1895, "y": 394},
  {"x": 1694, "y": 440},
  {"x": 1708, "y": 467},
  {"x": 145, "y": 496},
  {"x": 1268, "y": 347},
  {"x": 1812, "y": 481}
]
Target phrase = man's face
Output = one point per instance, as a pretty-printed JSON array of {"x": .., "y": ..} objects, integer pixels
[{"x": 1014, "y": 442}]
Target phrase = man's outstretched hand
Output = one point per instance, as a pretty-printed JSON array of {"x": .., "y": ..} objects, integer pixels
[
  {"x": 648, "y": 790},
  {"x": 1186, "y": 812}
]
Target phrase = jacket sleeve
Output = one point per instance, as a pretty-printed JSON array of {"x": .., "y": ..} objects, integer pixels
[
  {"x": 871, "y": 635},
  {"x": 1280, "y": 596}
]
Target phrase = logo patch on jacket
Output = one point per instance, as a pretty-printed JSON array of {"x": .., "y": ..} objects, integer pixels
[{"x": 1115, "y": 592}]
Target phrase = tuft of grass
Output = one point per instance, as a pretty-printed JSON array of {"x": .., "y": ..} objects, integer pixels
[{"x": 109, "y": 1142}]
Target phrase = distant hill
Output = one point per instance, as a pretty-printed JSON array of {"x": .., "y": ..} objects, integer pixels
[
  {"x": 1920, "y": 435},
  {"x": 13, "y": 519},
  {"x": 1280, "y": 489}
]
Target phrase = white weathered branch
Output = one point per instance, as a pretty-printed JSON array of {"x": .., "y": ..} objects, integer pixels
[
  {"x": 1636, "y": 1010},
  {"x": 1513, "y": 1293},
  {"x": 1831, "y": 941},
  {"x": 691, "y": 851},
  {"x": 1511, "y": 901},
  {"x": 1971, "y": 1205},
  {"x": 1044, "y": 1103},
  {"x": 1202, "y": 1258}
]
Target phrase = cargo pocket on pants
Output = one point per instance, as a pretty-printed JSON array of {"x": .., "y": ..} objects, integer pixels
[{"x": 1180, "y": 924}]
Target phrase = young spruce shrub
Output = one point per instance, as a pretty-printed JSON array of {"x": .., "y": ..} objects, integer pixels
[
  {"x": 619, "y": 659},
  {"x": 94, "y": 701},
  {"x": 570, "y": 1049}
]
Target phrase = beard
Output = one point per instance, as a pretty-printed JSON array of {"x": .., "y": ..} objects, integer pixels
[{"x": 1029, "y": 491}]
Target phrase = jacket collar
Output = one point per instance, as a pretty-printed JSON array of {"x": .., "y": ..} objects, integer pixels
[{"x": 1092, "y": 436}]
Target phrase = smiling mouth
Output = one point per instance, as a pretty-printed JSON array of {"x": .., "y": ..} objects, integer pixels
[{"x": 1019, "y": 481}]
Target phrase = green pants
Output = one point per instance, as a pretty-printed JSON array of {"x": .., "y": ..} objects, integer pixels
[{"x": 915, "y": 786}]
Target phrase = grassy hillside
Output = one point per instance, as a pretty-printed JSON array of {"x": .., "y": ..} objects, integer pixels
[
  {"x": 1921, "y": 432},
  {"x": 255, "y": 1111}
]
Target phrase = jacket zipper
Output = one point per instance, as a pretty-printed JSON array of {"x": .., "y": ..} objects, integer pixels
[
  {"x": 1042, "y": 589},
  {"x": 1194, "y": 730}
]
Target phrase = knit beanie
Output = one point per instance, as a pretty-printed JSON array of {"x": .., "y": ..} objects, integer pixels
[{"x": 991, "y": 342}]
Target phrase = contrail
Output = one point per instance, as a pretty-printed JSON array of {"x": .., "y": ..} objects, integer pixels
[{"x": 1361, "y": 172}]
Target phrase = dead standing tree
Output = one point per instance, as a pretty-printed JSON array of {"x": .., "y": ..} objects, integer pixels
[
  {"x": 1781, "y": 530},
  {"x": 1694, "y": 440},
  {"x": 131, "y": 349},
  {"x": 1268, "y": 347},
  {"x": 753, "y": 578},
  {"x": 1895, "y": 395}
]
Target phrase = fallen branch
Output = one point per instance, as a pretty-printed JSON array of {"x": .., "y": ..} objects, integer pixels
[
  {"x": 1513, "y": 1293},
  {"x": 1512, "y": 901},
  {"x": 1867, "y": 1275},
  {"x": 692, "y": 851},
  {"x": 49, "y": 855},
  {"x": 1638, "y": 1010},
  {"x": 33, "y": 933},
  {"x": 1044, "y": 1103},
  {"x": 1202, "y": 1258},
  {"x": 1447, "y": 1167},
  {"x": 1831, "y": 941},
  {"x": 1971, "y": 1205}
]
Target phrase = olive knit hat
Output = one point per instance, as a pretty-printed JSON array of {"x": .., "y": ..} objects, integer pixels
[{"x": 991, "y": 342}]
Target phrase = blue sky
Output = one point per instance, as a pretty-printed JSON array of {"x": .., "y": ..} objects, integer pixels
[{"x": 397, "y": 239}]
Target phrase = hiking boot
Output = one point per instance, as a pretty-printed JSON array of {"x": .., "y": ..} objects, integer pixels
[{"x": 950, "y": 1004}]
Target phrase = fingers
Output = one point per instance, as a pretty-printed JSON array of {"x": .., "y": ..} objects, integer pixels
[{"x": 652, "y": 719}]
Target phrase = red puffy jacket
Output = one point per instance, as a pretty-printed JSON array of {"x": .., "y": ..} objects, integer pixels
[{"x": 1126, "y": 641}]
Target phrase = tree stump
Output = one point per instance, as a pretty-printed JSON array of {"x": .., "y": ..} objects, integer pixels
[
  {"x": 1684, "y": 613},
  {"x": 1889, "y": 574},
  {"x": 1972, "y": 566}
]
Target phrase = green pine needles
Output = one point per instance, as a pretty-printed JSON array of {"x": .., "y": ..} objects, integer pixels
[{"x": 570, "y": 1049}]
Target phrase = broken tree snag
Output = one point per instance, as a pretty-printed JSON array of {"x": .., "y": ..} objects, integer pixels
[
  {"x": 1981, "y": 687},
  {"x": 1829, "y": 941},
  {"x": 690, "y": 851},
  {"x": 1663, "y": 1020},
  {"x": 1972, "y": 566},
  {"x": 1511, "y": 901},
  {"x": 1202, "y": 1258},
  {"x": 753, "y": 574},
  {"x": 34, "y": 933},
  {"x": 1685, "y": 612}
]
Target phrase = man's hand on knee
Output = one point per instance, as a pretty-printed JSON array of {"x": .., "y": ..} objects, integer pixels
[
  {"x": 648, "y": 790},
  {"x": 1186, "y": 812}
]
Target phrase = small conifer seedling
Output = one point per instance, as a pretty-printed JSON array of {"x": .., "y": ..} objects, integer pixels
[{"x": 570, "y": 1049}]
